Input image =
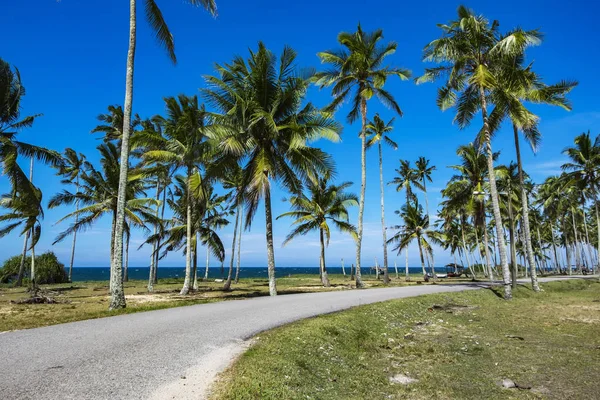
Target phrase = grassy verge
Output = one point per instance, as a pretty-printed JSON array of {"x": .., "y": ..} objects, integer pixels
[
  {"x": 456, "y": 346},
  {"x": 86, "y": 300}
]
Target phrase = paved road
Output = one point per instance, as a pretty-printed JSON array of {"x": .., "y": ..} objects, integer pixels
[{"x": 130, "y": 356}]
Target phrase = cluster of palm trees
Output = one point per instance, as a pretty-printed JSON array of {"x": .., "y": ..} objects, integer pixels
[{"x": 257, "y": 128}]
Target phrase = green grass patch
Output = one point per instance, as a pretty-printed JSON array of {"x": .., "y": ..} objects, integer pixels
[{"x": 456, "y": 345}]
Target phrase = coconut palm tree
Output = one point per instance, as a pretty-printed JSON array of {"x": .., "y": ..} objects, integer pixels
[
  {"x": 379, "y": 131},
  {"x": 416, "y": 227},
  {"x": 357, "y": 74},
  {"x": 264, "y": 124},
  {"x": 323, "y": 204},
  {"x": 423, "y": 173},
  {"x": 472, "y": 54},
  {"x": 184, "y": 144},
  {"x": 97, "y": 194},
  {"x": 71, "y": 170},
  {"x": 582, "y": 168},
  {"x": 520, "y": 85},
  {"x": 233, "y": 181},
  {"x": 165, "y": 39}
]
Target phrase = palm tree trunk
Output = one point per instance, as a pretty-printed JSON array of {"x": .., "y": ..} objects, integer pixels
[
  {"x": 154, "y": 245},
  {"x": 74, "y": 234},
  {"x": 486, "y": 250},
  {"x": 343, "y": 269},
  {"x": 112, "y": 247},
  {"x": 22, "y": 265},
  {"x": 598, "y": 227},
  {"x": 195, "y": 262},
  {"x": 556, "y": 261},
  {"x": 464, "y": 243},
  {"x": 162, "y": 217},
  {"x": 117, "y": 295},
  {"x": 227, "y": 285},
  {"x": 588, "y": 243},
  {"x": 33, "y": 282},
  {"x": 126, "y": 257},
  {"x": 324, "y": 277},
  {"x": 386, "y": 277},
  {"x": 363, "y": 185},
  {"x": 485, "y": 270},
  {"x": 207, "y": 264},
  {"x": 407, "y": 274},
  {"x": 494, "y": 196},
  {"x": 525, "y": 207},
  {"x": 576, "y": 242},
  {"x": 422, "y": 259},
  {"x": 513, "y": 247},
  {"x": 396, "y": 269},
  {"x": 188, "y": 247},
  {"x": 269, "y": 236},
  {"x": 239, "y": 246}
]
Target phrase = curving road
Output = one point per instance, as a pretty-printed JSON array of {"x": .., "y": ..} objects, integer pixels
[{"x": 134, "y": 356}]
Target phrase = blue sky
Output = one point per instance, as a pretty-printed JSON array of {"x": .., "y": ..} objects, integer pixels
[{"x": 71, "y": 55}]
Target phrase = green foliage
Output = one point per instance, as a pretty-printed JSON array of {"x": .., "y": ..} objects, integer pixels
[{"x": 48, "y": 269}]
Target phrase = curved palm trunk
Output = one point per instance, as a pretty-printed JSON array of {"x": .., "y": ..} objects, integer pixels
[
  {"x": 525, "y": 207},
  {"x": 386, "y": 277},
  {"x": 464, "y": 243},
  {"x": 576, "y": 242},
  {"x": 239, "y": 246},
  {"x": 195, "y": 263},
  {"x": 227, "y": 285},
  {"x": 421, "y": 254},
  {"x": 126, "y": 257},
  {"x": 513, "y": 247},
  {"x": 587, "y": 242},
  {"x": 486, "y": 250},
  {"x": 188, "y": 247},
  {"x": 324, "y": 277},
  {"x": 567, "y": 248},
  {"x": 494, "y": 196},
  {"x": 269, "y": 236},
  {"x": 363, "y": 185},
  {"x": 598, "y": 227},
  {"x": 162, "y": 217},
  {"x": 154, "y": 245},
  {"x": 74, "y": 235},
  {"x": 343, "y": 269},
  {"x": 556, "y": 260},
  {"x": 484, "y": 270},
  {"x": 117, "y": 295},
  {"x": 407, "y": 274},
  {"x": 33, "y": 283},
  {"x": 207, "y": 264},
  {"x": 396, "y": 269},
  {"x": 22, "y": 265}
]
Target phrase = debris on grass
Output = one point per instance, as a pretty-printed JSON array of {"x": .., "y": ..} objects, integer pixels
[{"x": 402, "y": 379}]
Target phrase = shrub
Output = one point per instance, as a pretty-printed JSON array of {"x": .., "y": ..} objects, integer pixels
[{"x": 47, "y": 269}]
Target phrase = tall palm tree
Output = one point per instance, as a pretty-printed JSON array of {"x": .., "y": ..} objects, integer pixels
[
  {"x": 584, "y": 158},
  {"x": 379, "y": 131},
  {"x": 521, "y": 85},
  {"x": 264, "y": 124},
  {"x": 416, "y": 227},
  {"x": 423, "y": 172},
  {"x": 322, "y": 204},
  {"x": 165, "y": 39},
  {"x": 357, "y": 74},
  {"x": 72, "y": 169},
  {"x": 233, "y": 181},
  {"x": 472, "y": 54},
  {"x": 184, "y": 144}
]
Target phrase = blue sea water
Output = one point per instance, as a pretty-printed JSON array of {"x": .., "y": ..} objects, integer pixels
[{"x": 103, "y": 273}]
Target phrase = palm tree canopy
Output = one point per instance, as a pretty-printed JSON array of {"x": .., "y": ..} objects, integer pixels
[
  {"x": 358, "y": 71},
  {"x": 584, "y": 158},
  {"x": 415, "y": 226},
  {"x": 379, "y": 131},
  {"x": 405, "y": 179}
]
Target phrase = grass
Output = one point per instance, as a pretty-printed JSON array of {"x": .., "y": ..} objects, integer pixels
[
  {"x": 86, "y": 300},
  {"x": 457, "y": 346}
]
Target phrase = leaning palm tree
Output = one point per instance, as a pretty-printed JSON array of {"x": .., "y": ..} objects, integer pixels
[
  {"x": 472, "y": 54},
  {"x": 233, "y": 181},
  {"x": 184, "y": 144},
  {"x": 322, "y": 204},
  {"x": 357, "y": 74},
  {"x": 416, "y": 227},
  {"x": 71, "y": 170},
  {"x": 165, "y": 39},
  {"x": 379, "y": 131},
  {"x": 265, "y": 126},
  {"x": 584, "y": 159}
]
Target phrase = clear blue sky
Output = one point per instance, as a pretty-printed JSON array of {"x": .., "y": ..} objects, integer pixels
[{"x": 71, "y": 55}]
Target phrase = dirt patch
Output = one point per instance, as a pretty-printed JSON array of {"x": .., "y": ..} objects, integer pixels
[{"x": 146, "y": 298}]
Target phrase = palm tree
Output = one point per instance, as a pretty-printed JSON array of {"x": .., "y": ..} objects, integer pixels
[
  {"x": 416, "y": 226},
  {"x": 584, "y": 158},
  {"x": 184, "y": 144},
  {"x": 357, "y": 73},
  {"x": 379, "y": 131},
  {"x": 97, "y": 193},
  {"x": 26, "y": 212},
  {"x": 519, "y": 85},
  {"x": 165, "y": 39},
  {"x": 73, "y": 167},
  {"x": 215, "y": 214},
  {"x": 472, "y": 54},
  {"x": 423, "y": 173},
  {"x": 322, "y": 204},
  {"x": 264, "y": 126},
  {"x": 233, "y": 180}
]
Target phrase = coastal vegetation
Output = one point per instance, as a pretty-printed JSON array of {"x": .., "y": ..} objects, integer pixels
[{"x": 212, "y": 160}]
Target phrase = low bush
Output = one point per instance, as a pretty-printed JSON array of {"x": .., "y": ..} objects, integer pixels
[{"x": 47, "y": 269}]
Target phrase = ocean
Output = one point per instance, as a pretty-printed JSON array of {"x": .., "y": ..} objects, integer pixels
[{"x": 103, "y": 273}]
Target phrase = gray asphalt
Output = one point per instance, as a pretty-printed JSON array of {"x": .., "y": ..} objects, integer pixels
[{"x": 130, "y": 356}]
